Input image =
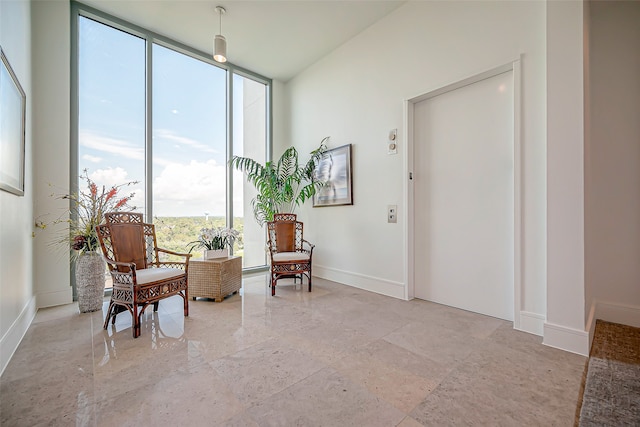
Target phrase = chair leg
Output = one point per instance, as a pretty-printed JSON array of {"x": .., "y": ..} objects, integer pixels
[
  {"x": 135, "y": 321},
  {"x": 309, "y": 277},
  {"x": 186, "y": 303},
  {"x": 155, "y": 305},
  {"x": 117, "y": 309},
  {"x": 106, "y": 319},
  {"x": 273, "y": 284}
]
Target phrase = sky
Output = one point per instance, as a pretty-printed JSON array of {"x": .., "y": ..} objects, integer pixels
[{"x": 189, "y": 122}]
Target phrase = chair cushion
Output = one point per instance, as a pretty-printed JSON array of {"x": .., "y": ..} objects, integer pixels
[
  {"x": 290, "y": 256},
  {"x": 148, "y": 275}
]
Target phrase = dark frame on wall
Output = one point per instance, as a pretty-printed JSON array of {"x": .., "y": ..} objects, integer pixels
[
  {"x": 335, "y": 170},
  {"x": 12, "y": 129}
]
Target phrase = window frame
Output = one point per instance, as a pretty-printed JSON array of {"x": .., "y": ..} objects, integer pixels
[{"x": 81, "y": 10}]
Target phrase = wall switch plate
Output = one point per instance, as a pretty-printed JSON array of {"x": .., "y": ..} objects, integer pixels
[
  {"x": 392, "y": 214},
  {"x": 392, "y": 144}
]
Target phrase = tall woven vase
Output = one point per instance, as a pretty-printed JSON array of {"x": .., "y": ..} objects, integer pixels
[{"x": 90, "y": 268}]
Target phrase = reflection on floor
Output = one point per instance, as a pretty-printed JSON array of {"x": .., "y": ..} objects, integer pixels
[{"x": 336, "y": 356}]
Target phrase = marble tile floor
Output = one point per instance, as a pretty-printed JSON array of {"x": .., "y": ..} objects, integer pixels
[{"x": 337, "y": 356}]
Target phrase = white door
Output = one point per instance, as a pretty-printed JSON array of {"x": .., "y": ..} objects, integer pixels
[{"x": 464, "y": 197}]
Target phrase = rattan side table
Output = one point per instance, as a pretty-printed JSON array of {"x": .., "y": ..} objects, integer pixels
[{"x": 214, "y": 278}]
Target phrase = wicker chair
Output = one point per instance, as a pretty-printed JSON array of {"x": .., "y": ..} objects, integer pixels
[
  {"x": 139, "y": 277},
  {"x": 290, "y": 254}
]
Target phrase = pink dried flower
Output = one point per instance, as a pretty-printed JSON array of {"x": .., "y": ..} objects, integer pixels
[
  {"x": 111, "y": 193},
  {"x": 121, "y": 203},
  {"x": 86, "y": 211}
]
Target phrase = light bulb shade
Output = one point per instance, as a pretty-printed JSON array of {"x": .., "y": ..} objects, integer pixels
[{"x": 220, "y": 48}]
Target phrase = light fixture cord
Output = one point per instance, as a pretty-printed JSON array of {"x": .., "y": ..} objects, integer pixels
[{"x": 220, "y": 21}]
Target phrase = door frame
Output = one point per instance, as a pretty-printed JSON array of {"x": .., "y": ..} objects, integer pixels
[{"x": 408, "y": 190}]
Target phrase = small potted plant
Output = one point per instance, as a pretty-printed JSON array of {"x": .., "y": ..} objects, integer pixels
[{"x": 215, "y": 242}]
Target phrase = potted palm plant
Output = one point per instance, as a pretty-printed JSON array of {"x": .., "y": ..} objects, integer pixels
[{"x": 281, "y": 185}]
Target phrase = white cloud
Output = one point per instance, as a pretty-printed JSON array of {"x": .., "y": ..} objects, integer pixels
[
  {"x": 190, "y": 189},
  {"x": 109, "y": 177},
  {"x": 111, "y": 145},
  {"x": 182, "y": 140},
  {"x": 161, "y": 161},
  {"x": 92, "y": 159}
]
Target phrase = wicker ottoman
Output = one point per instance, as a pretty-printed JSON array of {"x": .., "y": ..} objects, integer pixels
[{"x": 215, "y": 278}]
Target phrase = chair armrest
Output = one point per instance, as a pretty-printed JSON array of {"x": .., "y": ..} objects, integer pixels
[
  {"x": 131, "y": 265},
  {"x": 122, "y": 279},
  {"x": 167, "y": 251},
  {"x": 271, "y": 248},
  {"x": 311, "y": 246},
  {"x": 175, "y": 264}
]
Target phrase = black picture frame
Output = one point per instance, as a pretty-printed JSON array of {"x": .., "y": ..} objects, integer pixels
[
  {"x": 12, "y": 129},
  {"x": 334, "y": 169}
]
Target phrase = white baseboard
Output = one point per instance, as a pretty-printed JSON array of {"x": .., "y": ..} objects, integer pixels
[
  {"x": 10, "y": 341},
  {"x": 52, "y": 299},
  {"x": 617, "y": 313},
  {"x": 532, "y": 323},
  {"x": 567, "y": 339},
  {"x": 612, "y": 312},
  {"x": 361, "y": 281}
]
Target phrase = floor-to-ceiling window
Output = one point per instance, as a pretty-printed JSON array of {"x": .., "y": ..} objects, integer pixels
[
  {"x": 189, "y": 146},
  {"x": 249, "y": 136},
  {"x": 151, "y": 110},
  {"x": 111, "y": 107}
]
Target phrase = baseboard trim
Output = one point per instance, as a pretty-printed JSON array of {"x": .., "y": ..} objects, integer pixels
[
  {"x": 361, "y": 281},
  {"x": 617, "y": 313},
  {"x": 54, "y": 298},
  {"x": 612, "y": 312},
  {"x": 532, "y": 323},
  {"x": 567, "y": 339},
  {"x": 11, "y": 340}
]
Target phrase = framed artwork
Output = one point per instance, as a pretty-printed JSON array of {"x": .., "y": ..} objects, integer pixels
[
  {"x": 334, "y": 169},
  {"x": 12, "y": 127}
]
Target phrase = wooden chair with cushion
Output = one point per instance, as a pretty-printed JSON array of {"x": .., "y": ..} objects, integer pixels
[
  {"x": 140, "y": 278},
  {"x": 290, "y": 253}
]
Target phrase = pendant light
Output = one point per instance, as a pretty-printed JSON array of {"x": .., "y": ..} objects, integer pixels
[{"x": 219, "y": 42}]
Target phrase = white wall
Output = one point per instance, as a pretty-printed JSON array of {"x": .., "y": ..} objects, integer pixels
[
  {"x": 565, "y": 324},
  {"x": 356, "y": 96},
  {"x": 613, "y": 165},
  {"x": 51, "y": 56},
  {"x": 17, "y": 293}
]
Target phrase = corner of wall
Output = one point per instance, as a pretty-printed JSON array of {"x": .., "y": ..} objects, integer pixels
[
  {"x": 611, "y": 312},
  {"x": 615, "y": 313}
]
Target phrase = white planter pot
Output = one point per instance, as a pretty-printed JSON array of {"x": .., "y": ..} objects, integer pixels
[
  {"x": 90, "y": 270},
  {"x": 216, "y": 253}
]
